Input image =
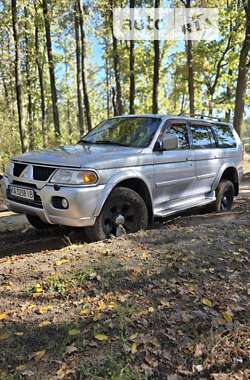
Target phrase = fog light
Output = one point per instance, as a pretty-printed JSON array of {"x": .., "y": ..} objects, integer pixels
[
  {"x": 65, "y": 203},
  {"x": 60, "y": 203}
]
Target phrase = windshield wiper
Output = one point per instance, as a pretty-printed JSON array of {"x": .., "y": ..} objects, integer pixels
[{"x": 110, "y": 142}]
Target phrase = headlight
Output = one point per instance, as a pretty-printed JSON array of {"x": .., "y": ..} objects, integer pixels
[
  {"x": 9, "y": 169},
  {"x": 74, "y": 177}
]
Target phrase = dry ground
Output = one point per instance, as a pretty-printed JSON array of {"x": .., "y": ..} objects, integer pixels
[{"x": 169, "y": 303}]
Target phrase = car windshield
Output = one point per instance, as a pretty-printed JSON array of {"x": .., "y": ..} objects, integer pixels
[{"x": 135, "y": 132}]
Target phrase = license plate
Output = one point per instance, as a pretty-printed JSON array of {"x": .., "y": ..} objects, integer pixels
[{"x": 22, "y": 193}]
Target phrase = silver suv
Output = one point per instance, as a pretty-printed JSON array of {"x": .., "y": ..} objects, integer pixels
[{"x": 127, "y": 171}]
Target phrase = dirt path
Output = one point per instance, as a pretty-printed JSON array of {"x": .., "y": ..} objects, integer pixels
[
  {"x": 169, "y": 303},
  {"x": 17, "y": 236}
]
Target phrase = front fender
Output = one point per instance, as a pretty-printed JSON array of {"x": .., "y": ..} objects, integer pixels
[{"x": 114, "y": 181}]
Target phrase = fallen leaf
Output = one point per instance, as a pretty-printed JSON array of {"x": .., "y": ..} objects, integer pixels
[
  {"x": 74, "y": 332},
  {"x": 38, "y": 355},
  {"x": 198, "y": 367},
  {"x": 28, "y": 373},
  {"x": 44, "y": 309},
  {"x": 62, "y": 261},
  {"x": 70, "y": 349},
  {"x": 219, "y": 376},
  {"x": 64, "y": 371},
  {"x": 192, "y": 290},
  {"x": 5, "y": 336},
  {"x": 199, "y": 350},
  {"x": 151, "y": 361},
  {"x": 37, "y": 295},
  {"x": 44, "y": 323},
  {"x": 3, "y": 316},
  {"x": 227, "y": 316},
  {"x": 30, "y": 307},
  {"x": 207, "y": 302},
  {"x": 37, "y": 288},
  {"x": 165, "y": 303},
  {"x": 97, "y": 317},
  {"x": 101, "y": 306},
  {"x": 112, "y": 306},
  {"x": 85, "y": 310},
  {"x": 133, "y": 336},
  {"x": 101, "y": 337},
  {"x": 21, "y": 367},
  {"x": 134, "y": 348}
]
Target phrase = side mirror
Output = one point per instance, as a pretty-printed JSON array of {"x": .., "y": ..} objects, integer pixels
[{"x": 170, "y": 142}]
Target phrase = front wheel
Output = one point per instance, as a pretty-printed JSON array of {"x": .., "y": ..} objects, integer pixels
[
  {"x": 124, "y": 212},
  {"x": 224, "y": 196}
]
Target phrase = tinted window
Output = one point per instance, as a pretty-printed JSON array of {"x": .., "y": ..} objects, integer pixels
[
  {"x": 181, "y": 132},
  {"x": 225, "y": 136},
  {"x": 203, "y": 137}
]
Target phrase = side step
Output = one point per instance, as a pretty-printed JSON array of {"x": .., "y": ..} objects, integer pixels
[{"x": 186, "y": 206}]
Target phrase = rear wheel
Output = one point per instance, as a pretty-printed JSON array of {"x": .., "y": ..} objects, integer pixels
[
  {"x": 124, "y": 212},
  {"x": 37, "y": 223},
  {"x": 224, "y": 196}
]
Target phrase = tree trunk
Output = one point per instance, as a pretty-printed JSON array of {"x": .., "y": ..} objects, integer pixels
[
  {"x": 29, "y": 84},
  {"x": 6, "y": 93},
  {"x": 41, "y": 81},
  {"x": 156, "y": 69},
  {"x": 132, "y": 71},
  {"x": 189, "y": 52},
  {"x": 78, "y": 73},
  {"x": 229, "y": 96},
  {"x": 190, "y": 68},
  {"x": 84, "y": 83},
  {"x": 51, "y": 70},
  {"x": 210, "y": 106},
  {"x": 107, "y": 86},
  {"x": 69, "y": 124},
  {"x": 116, "y": 63},
  {"x": 19, "y": 98},
  {"x": 114, "y": 102},
  {"x": 244, "y": 65}
]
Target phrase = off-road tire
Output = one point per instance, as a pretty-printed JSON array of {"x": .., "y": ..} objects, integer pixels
[
  {"x": 224, "y": 197},
  {"x": 134, "y": 204}
]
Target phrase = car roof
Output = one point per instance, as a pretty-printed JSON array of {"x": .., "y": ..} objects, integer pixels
[{"x": 202, "y": 119}]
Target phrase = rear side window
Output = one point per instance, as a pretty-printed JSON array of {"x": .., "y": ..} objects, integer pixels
[
  {"x": 203, "y": 137},
  {"x": 225, "y": 136}
]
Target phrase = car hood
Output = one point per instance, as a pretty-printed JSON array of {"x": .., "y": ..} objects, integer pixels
[{"x": 83, "y": 156}]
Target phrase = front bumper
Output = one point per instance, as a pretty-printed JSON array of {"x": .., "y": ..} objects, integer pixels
[{"x": 83, "y": 203}]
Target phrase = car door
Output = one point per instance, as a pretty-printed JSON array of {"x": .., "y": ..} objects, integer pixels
[
  {"x": 207, "y": 162},
  {"x": 174, "y": 170}
]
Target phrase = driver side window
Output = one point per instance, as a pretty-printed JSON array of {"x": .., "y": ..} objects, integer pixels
[{"x": 180, "y": 130}]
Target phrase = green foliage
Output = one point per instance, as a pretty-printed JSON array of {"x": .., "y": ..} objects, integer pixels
[{"x": 215, "y": 69}]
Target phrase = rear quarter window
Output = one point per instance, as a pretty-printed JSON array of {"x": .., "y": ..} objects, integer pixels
[
  {"x": 203, "y": 137},
  {"x": 225, "y": 136}
]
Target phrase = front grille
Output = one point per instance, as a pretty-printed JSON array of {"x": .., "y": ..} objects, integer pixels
[
  {"x": 36, "y": 203},
  {"x": 18, "y": 169},
  {"x": 42, "y": 173},
  {"x": 24, "y": 184}
]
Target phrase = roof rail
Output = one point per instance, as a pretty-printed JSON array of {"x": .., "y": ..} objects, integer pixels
[{"x": 206, "y": 117}]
